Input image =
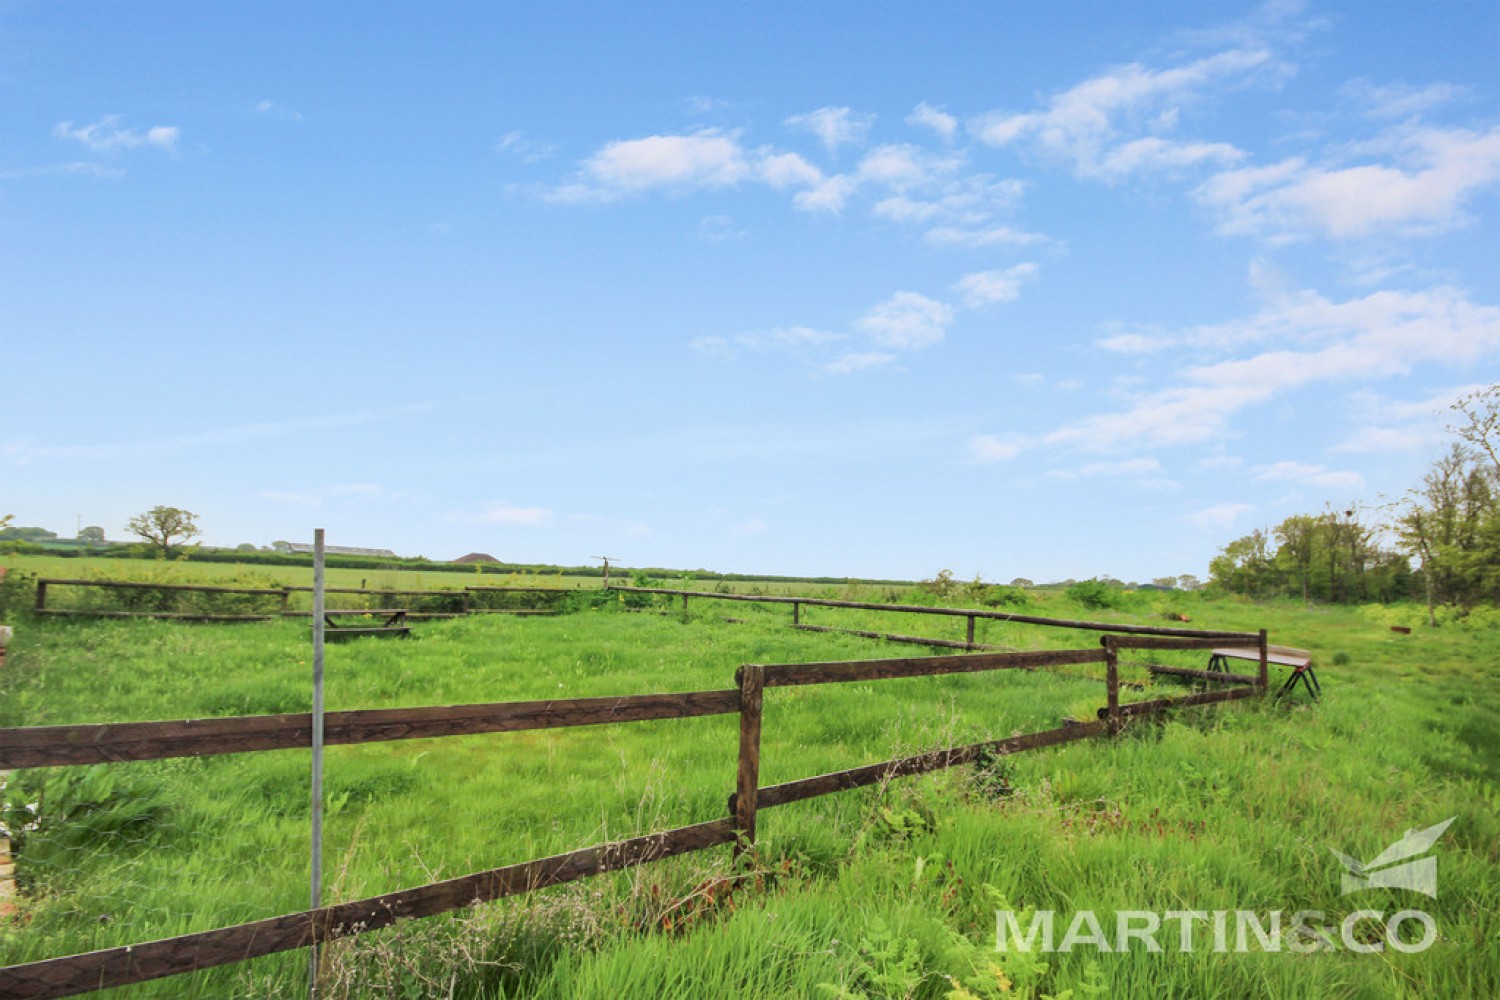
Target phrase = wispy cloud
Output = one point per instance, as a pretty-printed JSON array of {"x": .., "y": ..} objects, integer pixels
[
  {"x": 984, "y": 287},
  {"x": 834, "y": 127},
  {"x": 1412, "y": 180},
  {"x": 107, "y": 135},
  {"x": 76, "y": 168},
  {"x": 1142, "y": 472},
  {"x": 925, "y": 115},
  {"x": 1219, "y": 517},
  {"x": 273, "y": 110},
  {"x": 858, "y": 361},
  {"x": 1312, "y": 339},
  {"x": 705, "y": 159},
  {"x": 527, "y": 150},
  {"x": 1389, "y": 426},
  {"x": 1307, "y": 474},
  {"x": 1115, "y": 124},
  {"x": 984, "y": 236},
  {"x": 1400, "y": 100},
  {"x": 989, "y": 448},
  {"x": 907, "y": 321}
]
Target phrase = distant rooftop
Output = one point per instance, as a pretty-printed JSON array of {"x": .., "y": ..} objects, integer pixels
[{"x": 302, "y": 548}]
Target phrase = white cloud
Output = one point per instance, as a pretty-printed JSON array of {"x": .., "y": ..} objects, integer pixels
[
  {"x": 1389, "y": 426},
  {"x": 1398, "y": 100},
  {"x": 907, "y": 321},
  {"x": 829, "y": 195},
  {"x": 1384, "y": 334},
  {"x": 903, "y": 166},
  {"x": 1097, "y": 125},
  {"x": 107, "y": 135},
  {"x": 76, "y": 168},
  {"x": 1161, "y": 155},
  {"x": 784, "y": 170},
  {"x": 1311, "y": 475},
  {"x": 927, "y": 116},
  {"x": 1145, "y": 472},
  {"x": 984, "y": 287},
  {"x": 1219, "y": 517},
  {"x": 859, "y": 361},
  {"x": 277, "y": 111},
  {"x": 515, "y": 143},
  {"x": 1425, "y": 179},
  {"x": 1134, "y": 343},
  {"x": 709, "y": 158},
  {"x": 989, "y": 448},
  {"x": 799, "y": 341},
  {"x": 960, "y": 236},
  {"x": 1110, "y": 470},
  {"x": 523, "y": 517},
  {"x": 835, "y": 127}
]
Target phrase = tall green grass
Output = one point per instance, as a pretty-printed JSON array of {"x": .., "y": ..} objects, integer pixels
[{"x": 879, "y": 892}]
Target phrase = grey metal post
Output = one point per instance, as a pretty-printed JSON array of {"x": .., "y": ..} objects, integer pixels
[{"x": 317, "y": 751}]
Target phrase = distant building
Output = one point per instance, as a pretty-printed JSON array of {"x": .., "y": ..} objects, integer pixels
[
  {"x": 304, "y": 549},
  {"x": 476, "y": 557}
]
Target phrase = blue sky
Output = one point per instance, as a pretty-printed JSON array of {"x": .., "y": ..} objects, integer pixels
[{"x": 871, "y": 290}]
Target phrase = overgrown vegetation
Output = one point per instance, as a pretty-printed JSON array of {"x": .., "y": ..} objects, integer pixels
[{"x": 875, "y": 893}]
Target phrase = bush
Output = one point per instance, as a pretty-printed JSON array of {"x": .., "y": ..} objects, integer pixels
[
  {"x": 1000, "y": 595},
  {"x": 17, "y": 593},
  {"x": 1097, "y": 594}
]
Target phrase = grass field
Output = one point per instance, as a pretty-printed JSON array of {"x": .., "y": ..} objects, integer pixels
[{"x": 881, "y": 892}]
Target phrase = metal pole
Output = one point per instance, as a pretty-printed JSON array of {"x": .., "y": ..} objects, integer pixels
[{"x": 317, "y": 752}]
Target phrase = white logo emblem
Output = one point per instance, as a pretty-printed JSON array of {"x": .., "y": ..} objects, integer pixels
[{"x": 1382, "y": 873}]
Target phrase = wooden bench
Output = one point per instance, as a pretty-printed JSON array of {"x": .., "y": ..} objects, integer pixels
[
  {"x": 1300, "y": 660},
  {"x": 394, "y": 624}
]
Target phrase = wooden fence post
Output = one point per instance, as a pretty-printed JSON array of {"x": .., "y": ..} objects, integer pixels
[
  {"x": 752, "y": 680},
  {"x": 796, "y": 612},
  {"x": 970, "y": 639},
  {"x": 1112, "y": 679},
  {"x": 41, "y": 596},
  {"x": 1265, "y": 669}
]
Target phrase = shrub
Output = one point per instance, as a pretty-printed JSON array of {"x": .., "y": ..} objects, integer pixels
[
  {"x": 1097, "y": 594},
  {"x": 17, "y": 592}
]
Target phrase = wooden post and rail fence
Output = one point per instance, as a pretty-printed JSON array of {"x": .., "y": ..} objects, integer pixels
[
  {"x": 464, "y": 602},
  {"x": 50, "y": 746}
]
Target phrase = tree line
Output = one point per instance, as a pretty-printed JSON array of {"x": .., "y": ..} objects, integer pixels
[{"x": 1439, "y": 543}]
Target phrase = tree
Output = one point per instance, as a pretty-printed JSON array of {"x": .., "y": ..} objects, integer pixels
[
  {"x": 162, "y": 527},
  {"x": 93, "y": 535},
  {"x": 1297, "y": 537}
]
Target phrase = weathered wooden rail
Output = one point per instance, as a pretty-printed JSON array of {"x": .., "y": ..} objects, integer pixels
[
  {"x": 972, "y": 615},
  {"x": 462, "y": 601},
  {"x": 45, "y": 746}
]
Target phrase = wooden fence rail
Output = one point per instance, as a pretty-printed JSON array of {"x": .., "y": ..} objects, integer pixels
[
  {"x": 44, "y": 746},
  {"x": 973, "y": 613},
  {"x": 50, "y": 746},
  {"x": 463, "y": 598}
]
